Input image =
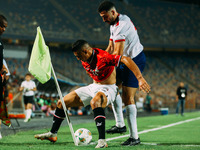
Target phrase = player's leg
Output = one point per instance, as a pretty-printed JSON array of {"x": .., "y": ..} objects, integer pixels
[
  {"x": 177, "y": 107},
  {"x": 25, "y": 106},
  {"x": 105, "y": 95},
  {"x": 182, "y": 107},
  {"x": 71, "y": 100},
  {"x": 128, "y": 94},
  {"x": 30, "y": 101},
  {"x": 25, "y": 111},
  {"x": 119, "y": 127},
  {"x": 98, "y": 103},
  {"x": 28, "y": 111},
  {"x": 129, "y": 88}
]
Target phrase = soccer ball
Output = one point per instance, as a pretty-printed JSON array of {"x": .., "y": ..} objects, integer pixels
[{"x": 83, "y": 136}]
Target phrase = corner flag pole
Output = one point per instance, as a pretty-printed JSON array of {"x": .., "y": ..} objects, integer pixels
[{"x": 64, "y": 106}]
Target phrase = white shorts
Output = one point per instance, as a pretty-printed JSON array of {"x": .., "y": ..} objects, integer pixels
[{"x": 86, "y": 93}]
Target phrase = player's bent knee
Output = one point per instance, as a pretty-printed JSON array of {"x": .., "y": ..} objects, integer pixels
[
  {"x": 99, "y": 100},
  {"x": 94, "y": 103}
]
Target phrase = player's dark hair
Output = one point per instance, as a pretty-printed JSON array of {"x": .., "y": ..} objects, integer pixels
[
  {"x": 78, "y": 45},
  {"x": 28, "y": 74},
  {"x": 105, "y": 6},
  {"x": 2, "y": 18}
]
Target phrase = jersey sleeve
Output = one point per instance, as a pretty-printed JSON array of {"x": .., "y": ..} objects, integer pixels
[
  {"x": 111, "y": 37},
  {"x": 121, "y": 31},
  {"x": 113, "y": 60},
  {"x": 34, "y": 84},
  {"x": 23, "y": 84}
]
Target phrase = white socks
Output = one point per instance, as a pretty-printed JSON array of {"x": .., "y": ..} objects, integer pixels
[
  {"x": 25, "y": 114},
  {"x": 28, "y": 113},
  {"x": 131, "y": 119},
  {"x": 117, "y": 110},
  {"x": 131, "y": 116}
]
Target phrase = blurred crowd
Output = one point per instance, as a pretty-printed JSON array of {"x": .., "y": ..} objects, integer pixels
[
  {"x": 163, "y": 71},
  {"x": 157, "y": 22},
  {"x": 46, "y": 103}
]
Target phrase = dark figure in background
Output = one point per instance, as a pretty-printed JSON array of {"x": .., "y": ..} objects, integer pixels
[
  {"x": 181, "y": 96},
  {"x": 3, "y": 72},
  {"x": 3, "y": 25}
]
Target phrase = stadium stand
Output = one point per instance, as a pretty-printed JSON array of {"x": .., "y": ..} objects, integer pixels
[
  {"x": 163, "y": 72},
  {"x": 159, "y": 24},
  {"x": 164, "y": 79},
  {"x": 172, "y": 22}
]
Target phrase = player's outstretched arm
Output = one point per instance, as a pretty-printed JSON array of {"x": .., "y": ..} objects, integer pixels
[{"x": 143, "y": 85}]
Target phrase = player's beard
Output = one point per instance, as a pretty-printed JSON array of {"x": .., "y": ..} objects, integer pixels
[{"x": 113, "y": 21}]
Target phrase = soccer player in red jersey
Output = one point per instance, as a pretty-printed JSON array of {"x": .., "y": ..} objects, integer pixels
[{"x": 100, "y": 65}]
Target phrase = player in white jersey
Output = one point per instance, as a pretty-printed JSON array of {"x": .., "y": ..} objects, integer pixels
[
  {"x": 124, "y": 41},
  {"x": 28, "y": 87},
  {"x": 125, "y": 31}
]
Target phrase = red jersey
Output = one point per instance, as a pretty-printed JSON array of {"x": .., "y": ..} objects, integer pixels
[{"x": 101, "y": 65}]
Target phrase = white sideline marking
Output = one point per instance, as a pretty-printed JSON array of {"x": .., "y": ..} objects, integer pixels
[
  {"x": 155, "y": 129},
  {"x": 171, "y": 144}
]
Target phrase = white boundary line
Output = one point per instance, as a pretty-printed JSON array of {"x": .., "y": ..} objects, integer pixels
[
  {"x": 155, "y": 129},
  {"x": 144, "y": 143}
]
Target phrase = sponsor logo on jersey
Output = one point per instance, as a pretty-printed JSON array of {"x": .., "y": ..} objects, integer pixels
[{"x": 94, "y": 72}]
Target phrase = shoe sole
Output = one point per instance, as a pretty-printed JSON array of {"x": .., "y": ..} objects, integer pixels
[{"x": 131, "y": 144}]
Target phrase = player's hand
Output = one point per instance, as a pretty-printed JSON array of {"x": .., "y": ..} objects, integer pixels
[
  {"x": 143, "y": 85},
  {"x": 4, "y": 71},
  {"x": 26, "y": 90}
]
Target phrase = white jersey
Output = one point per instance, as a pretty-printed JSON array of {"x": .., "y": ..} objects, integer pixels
[
  {"x": 124, "y": 30},
  {"x": 27, "y": 85}
]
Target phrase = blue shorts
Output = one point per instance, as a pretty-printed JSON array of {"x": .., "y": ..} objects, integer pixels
[{"x": 127, "y": 76}]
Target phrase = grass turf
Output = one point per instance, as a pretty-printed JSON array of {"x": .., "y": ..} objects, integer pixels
[{"x": 183, "y": 136}]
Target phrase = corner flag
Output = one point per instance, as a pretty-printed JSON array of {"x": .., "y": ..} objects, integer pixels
[
  {"x": 40, "y": 67},
  {"x": 40, "y": 61}
]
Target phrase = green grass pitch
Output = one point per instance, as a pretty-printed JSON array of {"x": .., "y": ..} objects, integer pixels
[{"x": 178, "y": 137}]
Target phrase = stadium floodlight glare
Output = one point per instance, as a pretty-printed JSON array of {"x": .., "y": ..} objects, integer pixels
[{"x": 41, "y": 68}]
